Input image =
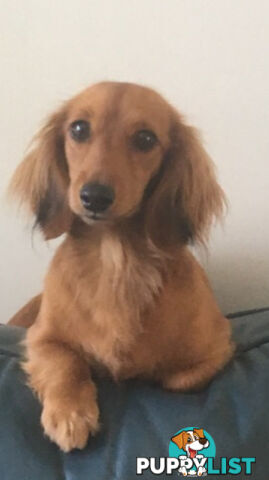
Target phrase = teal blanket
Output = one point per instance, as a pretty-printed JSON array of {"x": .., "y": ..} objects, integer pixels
[{"x": 139, "y": 419}]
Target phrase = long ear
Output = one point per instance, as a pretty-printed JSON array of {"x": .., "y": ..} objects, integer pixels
[
  {"x": 180, "y": 439},
  {"x": 187, "y": 196},
  {"x": 199, "y": 432},
  {"x": 41, "y": 180}
]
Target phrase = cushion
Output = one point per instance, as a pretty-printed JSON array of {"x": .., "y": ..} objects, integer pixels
[{"x": 139, "y": 419}]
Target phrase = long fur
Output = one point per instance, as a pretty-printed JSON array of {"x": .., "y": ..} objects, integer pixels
[{"x": 125, "y": 293}]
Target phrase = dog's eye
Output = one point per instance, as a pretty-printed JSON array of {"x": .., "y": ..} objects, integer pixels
[
  {"x": 189, "y": 440},
  {"x": 144, "y": 140},
  {"x": 80, "y": 130}
]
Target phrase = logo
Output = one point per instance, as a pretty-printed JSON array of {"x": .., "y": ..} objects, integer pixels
[
  {"x": 192, "y": 453},
  {"x": 192, "y": 446}
]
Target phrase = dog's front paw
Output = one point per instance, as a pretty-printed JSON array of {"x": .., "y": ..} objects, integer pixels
[{"x": 68, "y": 421}]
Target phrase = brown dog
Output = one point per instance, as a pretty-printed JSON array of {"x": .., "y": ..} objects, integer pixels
[
  {"x": 129, "y": 183},
  {"x": 192, "y": 441}
]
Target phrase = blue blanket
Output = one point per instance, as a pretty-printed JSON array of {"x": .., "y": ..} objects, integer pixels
[{"x": 139, "y": 419}]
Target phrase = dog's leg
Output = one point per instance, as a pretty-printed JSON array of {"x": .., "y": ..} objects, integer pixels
[
  {"x": 61, "y": 378},
  {"x": 27, "y": 315},
  {"x": 198, "y": 376}
]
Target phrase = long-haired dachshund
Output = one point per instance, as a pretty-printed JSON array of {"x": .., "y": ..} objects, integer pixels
[{"x": 130, "y": 184}]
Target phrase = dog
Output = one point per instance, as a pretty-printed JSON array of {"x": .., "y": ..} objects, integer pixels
[
  {"x": 118, "y": 171},
  {"x": 192, "y": 441}
]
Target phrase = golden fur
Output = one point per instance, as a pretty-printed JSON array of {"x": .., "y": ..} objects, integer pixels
[{"x": 124, "y": 293}]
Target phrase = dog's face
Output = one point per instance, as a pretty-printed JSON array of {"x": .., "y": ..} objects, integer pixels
[
  {"x": 116, "y": 136},
  {"x": 116, "y": 150},
  {"x": 191, "y": 441}
]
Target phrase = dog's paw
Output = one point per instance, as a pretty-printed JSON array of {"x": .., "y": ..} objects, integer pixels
[{"x": 69, "y": 421}]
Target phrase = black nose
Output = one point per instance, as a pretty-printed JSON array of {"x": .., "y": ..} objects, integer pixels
[
  {"x": 96, "y": 197},
  {"x": 202, "y": 440}
]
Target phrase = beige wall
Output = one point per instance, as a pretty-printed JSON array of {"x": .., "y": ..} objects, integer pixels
[{"x": 209, "y": 57}]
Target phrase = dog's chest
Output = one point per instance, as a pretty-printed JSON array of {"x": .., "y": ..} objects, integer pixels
[{"x": 114, "y": 296}]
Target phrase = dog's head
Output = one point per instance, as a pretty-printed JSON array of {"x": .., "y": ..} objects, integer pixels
[
  {"x": 117, "y": 151},
  {"x": 191, "y": 441}
]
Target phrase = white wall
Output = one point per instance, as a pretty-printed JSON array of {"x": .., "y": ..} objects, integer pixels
[{"x": 209, "y": 57}]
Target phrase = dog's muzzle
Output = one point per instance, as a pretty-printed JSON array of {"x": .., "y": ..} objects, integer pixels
[{"x": 96, "y": 197}]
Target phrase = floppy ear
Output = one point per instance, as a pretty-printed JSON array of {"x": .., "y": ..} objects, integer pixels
[
  {"x": 41, "y": 180},
  {"x": 180, "y": 439},
  {"x": 187, "y": 197}
]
